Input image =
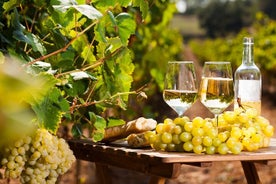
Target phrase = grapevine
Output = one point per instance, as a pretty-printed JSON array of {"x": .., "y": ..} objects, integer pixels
[
  {"x": 37, "y": 158},
  {"x": 236, "y": 131}
]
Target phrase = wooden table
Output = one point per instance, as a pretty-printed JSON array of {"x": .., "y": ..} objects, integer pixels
[{"x": 161, "y": 165}]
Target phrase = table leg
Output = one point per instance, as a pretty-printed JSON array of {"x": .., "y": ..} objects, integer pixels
[
  {"x": 250, "y": 172},
  {"x": 157, "y": 180},
  {"x": 102, "y": 175}
]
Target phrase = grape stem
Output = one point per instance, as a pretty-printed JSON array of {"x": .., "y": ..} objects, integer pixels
[{"x": 239, "y": 103}]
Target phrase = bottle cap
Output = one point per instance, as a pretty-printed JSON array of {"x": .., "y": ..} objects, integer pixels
[{"x": 248, "y": 40}]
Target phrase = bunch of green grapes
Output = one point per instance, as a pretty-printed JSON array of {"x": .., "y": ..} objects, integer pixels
[
  {"x": 39, "y": 158},
  {"x": 232, "y": 132}
]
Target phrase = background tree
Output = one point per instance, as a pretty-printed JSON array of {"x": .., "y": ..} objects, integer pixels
[
  {"x": 220, "y": 18},
  {"x": 268, "y": 7}
]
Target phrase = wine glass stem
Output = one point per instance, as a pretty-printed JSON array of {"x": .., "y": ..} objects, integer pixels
[{"x": 216, "y": 119}]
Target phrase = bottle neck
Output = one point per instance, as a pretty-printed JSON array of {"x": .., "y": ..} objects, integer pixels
[{"x": 248, "y": 52}]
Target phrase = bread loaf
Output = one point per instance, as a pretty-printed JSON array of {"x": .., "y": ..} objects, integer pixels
[
  {"x": 137, "y": 140},
  {"x": 135, "y": 126}
]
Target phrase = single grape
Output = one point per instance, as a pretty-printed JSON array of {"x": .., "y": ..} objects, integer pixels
[
  {"x": 212, "y": 132},
  {"x": 196, "y": 140},
  {"x": 21, "y": 150},
  {"x": 252, "y": 130},
  {"x": 207, "y": 141},
  {"x": 198, "y": 149},
  {"x": 236, "y": 132},
  {"x": 223, "y": 149},
  {"x": 152, "y": 139},
  {"x": 168, "y": 121},
  {"x": 252, "y": 146},
  {"x": 188, "y": 146},
  {"x": 251, "y": 112},
  {"x": 229, "y": 116},
  {"x": 177, "y": 129},
  {"x": 246, "y": 132},
  {"x": 180, "y": 121},
  {"x": 18, "y": 143},
  {"x": 236, "y": 148},
  {"x": 176, "y": 139},
  {"x": 263, "y": 122},
  {"x": 222, "y": 136},
  {"x": 207, "y": 126},
  {"x": 198, "y": 122},
  {"x": 163, "y": 146},
  {"x": 268, "y": 131},
  {"x": 14, "y": 152},
  {"x": 197, "y": 131},
  {"x": 242, "y": 118},
  {"x": 221, "y": 121},
  {"x": 237, "y": 111},
  {"x": 188, "y": 126},
  {"x": 186, "y": 118},
  {"x": 4, "y": 161},
  {"x": 210, "y": 150},
  {"x": 257, "y": 138},
  {"x": 231, "y": 142},
  {"x": 185, "y": 136},
  {"x": 166, "y": 137},
  {"x": 11, "y": 165},
  {"x": 169, "y": 127},
  {"x": 171, "y": 147},
  {"x": 19, "y": 160},
  {"x": 159, "y": 128}
]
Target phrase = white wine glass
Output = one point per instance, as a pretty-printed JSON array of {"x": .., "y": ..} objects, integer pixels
[
  {"x": 216, "y": 88},
  {"x": 180, "y": 87}
]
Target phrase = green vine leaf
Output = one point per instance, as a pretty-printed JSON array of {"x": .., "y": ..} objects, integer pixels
[
  {"x": 77, "y": 130},
  {"x": 112, "y": 18},
  {"x": 123, "y": 3},
  {"x": 76, "y": 88},
  {"x": 99, "y": 125},
  {"x": 82, "y": 45},
  {"x": 9, "y": 5},
  {"x": 115, "y": 122},
  {"x": 143, "y": 5},
  {"x": 126, "y": 26},
  {"x": 21, "y": 35},
  {"x": 100, "y": 31},
  {"x": 121, "y": 25},
  {"x": 87, "y": 10},
  {"x": 51, "y": 109}
]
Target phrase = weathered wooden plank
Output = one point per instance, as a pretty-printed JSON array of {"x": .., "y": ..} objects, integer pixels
[
  {"x": 264, "y": 154},
  {"x": 167, "y": 164}
]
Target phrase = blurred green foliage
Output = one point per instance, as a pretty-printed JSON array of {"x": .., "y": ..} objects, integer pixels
[{"x": 17, "y": 91}]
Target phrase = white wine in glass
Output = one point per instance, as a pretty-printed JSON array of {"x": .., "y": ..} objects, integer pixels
[
  {"x": 180, "y": 87},
  {"x": 216, "y": 87}
]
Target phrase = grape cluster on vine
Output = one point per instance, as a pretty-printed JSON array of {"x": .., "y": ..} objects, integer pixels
[
  {"x": 233, "y": 132},
  {"x": 38, "y": 158}
]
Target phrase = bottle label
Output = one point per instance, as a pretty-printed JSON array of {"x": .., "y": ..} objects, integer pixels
[{"x": 249, "y": 90}]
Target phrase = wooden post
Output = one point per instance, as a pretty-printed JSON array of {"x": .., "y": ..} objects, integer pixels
[{"x": 250, "y": 172}]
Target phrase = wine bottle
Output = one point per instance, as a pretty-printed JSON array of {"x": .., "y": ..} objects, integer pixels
[{"x": 247, "y": 79}]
